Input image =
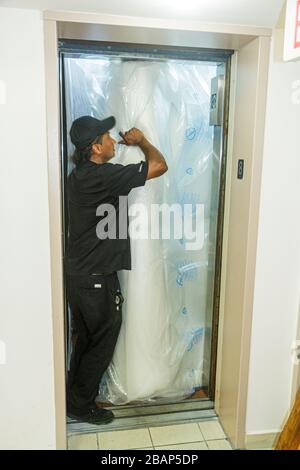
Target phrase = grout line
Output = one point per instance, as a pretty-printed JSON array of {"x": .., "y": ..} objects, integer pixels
[
  {"x": 218, "y": 438},
  {"x": 151, "y": 438},
  {"x": 143, "y": 448},
  {"x": 151, "y": 445},
  {"x": 201, "y": 432},
  {"x": 98, "y": 443},
  {"x": 182, "y": 443},
  {"x": 219, "y": 449}
]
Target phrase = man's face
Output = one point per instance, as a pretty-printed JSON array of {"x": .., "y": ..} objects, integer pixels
[{"x": 108, "y": 146}]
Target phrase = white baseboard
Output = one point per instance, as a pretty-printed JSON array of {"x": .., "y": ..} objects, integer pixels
[{"x": 262, "y": 441}]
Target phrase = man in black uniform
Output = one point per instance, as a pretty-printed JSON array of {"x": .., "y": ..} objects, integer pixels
[{"x": 93, "y": 288}]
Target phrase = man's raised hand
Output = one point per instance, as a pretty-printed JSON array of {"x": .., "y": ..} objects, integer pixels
[{"x": 132, "y": 137}]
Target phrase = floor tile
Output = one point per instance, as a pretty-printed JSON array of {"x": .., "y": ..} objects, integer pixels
[
  {"x": 83, "y": 442},
  {"x": 211, "y": 430},
  {"x": 176, "y": 434},
  {"x": 127, "y": 439},
  {"x": 219, "y": 445},
  {"x": 189, "y": 446}
]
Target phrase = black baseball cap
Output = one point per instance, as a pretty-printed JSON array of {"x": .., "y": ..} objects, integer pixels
[{"x": 86, "y": 129}]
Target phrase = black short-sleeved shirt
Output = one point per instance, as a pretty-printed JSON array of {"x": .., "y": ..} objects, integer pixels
[{"x": 89, "y": 186}]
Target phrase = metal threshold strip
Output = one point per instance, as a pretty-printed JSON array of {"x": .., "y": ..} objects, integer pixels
[{"x": 148, "y": 415}]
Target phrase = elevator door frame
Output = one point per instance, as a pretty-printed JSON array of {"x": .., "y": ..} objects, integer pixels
[{"x": 246, "y": 137}]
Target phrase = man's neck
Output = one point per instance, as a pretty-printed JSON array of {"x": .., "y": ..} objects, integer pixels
[{"x": 97, "y": 159}]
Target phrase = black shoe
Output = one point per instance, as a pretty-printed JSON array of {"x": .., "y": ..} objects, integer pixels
[{"x": 94, "y": 416}]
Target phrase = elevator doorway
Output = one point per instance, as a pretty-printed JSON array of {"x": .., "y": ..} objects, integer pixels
[{"x": 179, "y": 98}]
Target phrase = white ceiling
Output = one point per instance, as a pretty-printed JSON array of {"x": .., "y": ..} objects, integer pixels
[{"x": 245, "y": 12}]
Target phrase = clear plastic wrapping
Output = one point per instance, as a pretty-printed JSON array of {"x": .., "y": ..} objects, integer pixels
[{"x": 168, "y": 294}]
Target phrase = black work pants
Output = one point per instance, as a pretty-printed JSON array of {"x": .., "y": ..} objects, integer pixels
[{"x": 96, "y": 308}]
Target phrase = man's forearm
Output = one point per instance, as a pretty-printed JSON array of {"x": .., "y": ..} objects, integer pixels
[{"x": 152, "y": 154}]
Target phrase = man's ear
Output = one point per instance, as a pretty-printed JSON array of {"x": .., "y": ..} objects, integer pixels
[{"x": 97, "y": 148}]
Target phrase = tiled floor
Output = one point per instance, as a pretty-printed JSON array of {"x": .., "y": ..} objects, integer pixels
[{"x": 204, "y": 435}]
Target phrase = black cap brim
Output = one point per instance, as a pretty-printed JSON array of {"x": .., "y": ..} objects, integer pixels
[{"x": 107, "y": 124}]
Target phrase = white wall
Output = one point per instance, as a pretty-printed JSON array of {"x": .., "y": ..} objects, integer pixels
[
  {"x": 26, "y": 390},
  {"x": 243, "y": 12},
  {"x": 277, "y": 291}
]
